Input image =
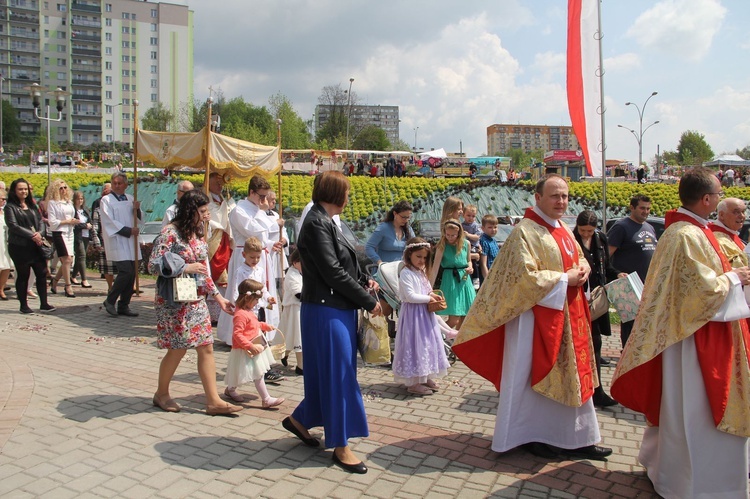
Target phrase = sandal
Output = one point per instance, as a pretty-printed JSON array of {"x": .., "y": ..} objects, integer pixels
[
  {"x": 222, "y": 410},
  {"x": 167, "y": 406},
  {"x": 232, "y": 394},
  {"x": 272, "y": 402},
  {"x": 419, "y": 390},
  {"x": 432, "y": 385}
]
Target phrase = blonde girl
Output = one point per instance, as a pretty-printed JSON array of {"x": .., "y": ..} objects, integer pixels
[
  {"x": 453, "y": 208},
  {"x": 454, "y": 268},
  {"x": 250, "y": 358},
  {"x": 61, "y": 216},
  {"x": 419, "y": 358}
]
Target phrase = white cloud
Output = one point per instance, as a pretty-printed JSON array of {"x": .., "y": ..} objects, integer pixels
[
  {"x": 622, "y": 63},
  {"x": 550, "y": 65},
  {"x": 681, "y": 28}
]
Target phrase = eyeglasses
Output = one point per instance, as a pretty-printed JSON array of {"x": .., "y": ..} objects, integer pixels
[
  {"x": 403, "y": 217},
  {"x": 720, "y": 194},
  {"x": 261, "y": 196}
]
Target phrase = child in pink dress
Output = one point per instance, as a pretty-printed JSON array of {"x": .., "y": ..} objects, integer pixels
[{"x": 250, "y": 358}]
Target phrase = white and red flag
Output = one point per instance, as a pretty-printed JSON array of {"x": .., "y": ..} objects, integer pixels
[{"x": 584, "y": 85}]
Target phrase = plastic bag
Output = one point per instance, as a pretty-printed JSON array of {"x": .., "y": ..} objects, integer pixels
[{"x": 373, "y": 342}]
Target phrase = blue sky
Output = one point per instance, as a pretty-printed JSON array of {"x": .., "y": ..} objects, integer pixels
[{"x": 456, "y": 67}]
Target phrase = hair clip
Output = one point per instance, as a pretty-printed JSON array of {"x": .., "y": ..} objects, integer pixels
[{"x": 418, "y": 245}]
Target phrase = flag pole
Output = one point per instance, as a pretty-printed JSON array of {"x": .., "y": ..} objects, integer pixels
[
  {"x": 208, "y": 149},
  {"x": 135, "y": 198},
  {"x": 600, "y": 35}
]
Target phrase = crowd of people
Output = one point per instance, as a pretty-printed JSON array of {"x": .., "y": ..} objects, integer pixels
[{"x": 521, "y": 316}]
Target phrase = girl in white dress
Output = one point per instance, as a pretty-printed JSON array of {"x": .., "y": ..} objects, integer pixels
[{"x": 290, "y": 311}]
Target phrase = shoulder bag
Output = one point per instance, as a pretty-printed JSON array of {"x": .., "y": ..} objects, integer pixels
[{"x": 598, "y": 302}]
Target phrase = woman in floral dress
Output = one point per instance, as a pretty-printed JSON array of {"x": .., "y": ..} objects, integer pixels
[{"x": 179, "y": 249}]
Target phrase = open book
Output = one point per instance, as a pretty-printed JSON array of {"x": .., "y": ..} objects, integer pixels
[{"x": 625, "y": 294}]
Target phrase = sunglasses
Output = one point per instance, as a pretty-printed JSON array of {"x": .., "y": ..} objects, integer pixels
[{"x": 64, "y": 187}]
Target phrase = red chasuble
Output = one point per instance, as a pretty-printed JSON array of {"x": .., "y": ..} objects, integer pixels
[
  {"x": 220, "y": 261},
  {"x": 640, "y": 389},
  {"x": 484, "y": 354},
  {"x": 717, "y": 228}
]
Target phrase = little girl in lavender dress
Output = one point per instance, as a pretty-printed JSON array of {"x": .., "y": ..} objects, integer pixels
[{"x": 420, "y": 356}]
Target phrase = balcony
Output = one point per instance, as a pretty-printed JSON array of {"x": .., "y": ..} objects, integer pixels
[
  {"x": 89, "y": 114},
  {"x": 86, "y": 128},
  {"x": 85, "y": 38},
  {"x": 25, "y": 47},
  {"x": 84, "y": 81},
  {"x": 85, "y": 7},
  {"x": 25, "y": 5},
  {"x": 24, "y": 61},
  {"x": 94, "y": 98},
  {"x": 94, "y": 68},
  {"x": 85, "y": 22},
  {"x": 23, "y": 18},
  {"x": 89, "y": 52},
  {"x": 18, "y": 33}
]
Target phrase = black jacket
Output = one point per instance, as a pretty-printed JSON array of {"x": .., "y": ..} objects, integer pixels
[
  {"x": 19, "y": 231},
  {"x": 330, "y": 273},
  {"x": 78, "y": 228},
  {"x": 602, "y": 272}
]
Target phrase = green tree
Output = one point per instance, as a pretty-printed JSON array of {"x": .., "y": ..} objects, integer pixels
[
  {"x": 401, "y": 145},
  {"x": 372, "y": 138},
  {"x": 11, "y": 124},
  {"x": 158, "y": 119},
  {"x": 242, "y": 120},
  {"x": 744, "y": 153},
  {"x": 337, "y": 104},
  {"x": 693, "y": 148},
  {"x": 294, "y": 131}
]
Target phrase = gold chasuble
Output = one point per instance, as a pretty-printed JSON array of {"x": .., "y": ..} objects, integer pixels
[
  {"x": 528, "y": 267},
  {"x": 684, "y": 289},
  {"x": 731, "y": 245}
]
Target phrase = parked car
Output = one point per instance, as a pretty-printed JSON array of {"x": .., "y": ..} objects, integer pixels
[
  {"x": 290, "y": 225},
  {"x": 427, "y": 229},
  {"x": 656, "y": 222},
  {"x": 148, "y": 232},
  {"x": 503, "y": 231}
]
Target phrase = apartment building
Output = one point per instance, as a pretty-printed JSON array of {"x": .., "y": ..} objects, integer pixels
[
  {"x": 384, "y": 117},
  {"x": 106, "y": 53},
  {"x": 504, "y": 137}
]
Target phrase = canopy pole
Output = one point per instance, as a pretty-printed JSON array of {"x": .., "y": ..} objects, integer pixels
[
  {"x": 135, "y": 199},
  {"x": 280, "y": 207},
  {"x": 208, "y": 149}
]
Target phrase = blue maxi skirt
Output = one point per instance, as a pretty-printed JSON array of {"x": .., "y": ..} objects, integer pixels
[{"x": 333, "y": 399}]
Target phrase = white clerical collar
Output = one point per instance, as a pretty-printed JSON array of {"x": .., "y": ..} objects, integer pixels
[
  {"x": 735, "y": 232},
  {"x": 554, "y": 223},
  {"x": 700, "y": 220}
]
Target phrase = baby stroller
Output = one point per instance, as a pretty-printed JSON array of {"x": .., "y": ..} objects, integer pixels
[{"x": 386, "y": 275}]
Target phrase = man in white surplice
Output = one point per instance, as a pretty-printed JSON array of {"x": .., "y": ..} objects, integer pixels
[
  {"x": 121, "y": 234},
  {"x": 546, "y": 375},
  {"x": 685, "y": 366},
  {"x": 249, "y": 219}
]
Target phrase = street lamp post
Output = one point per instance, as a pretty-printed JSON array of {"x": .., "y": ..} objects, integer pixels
[
  {"x": 2, "y": 150},
  {"x": 639, "y": 135},
  {"x": 349, "y": 111},
  {"x": 35, "y": 92},
  {"x": 114, "y": 131},
  {"x": 415, "y": 139}
]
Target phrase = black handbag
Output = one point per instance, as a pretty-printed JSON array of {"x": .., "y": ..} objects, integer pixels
[{"x": 47, "y": 249}]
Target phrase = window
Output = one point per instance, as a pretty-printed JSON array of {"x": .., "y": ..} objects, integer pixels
[
  {"x": 108, "y": 94},
  {"x": 126, "y": 29},
  {"x": 132, "y": 30},
  {"x": 126, "y": 131},
  {"x": 61, "y": 35},
  {"x": 154, "y": 84},
  {"x": 125, "y": 44},
  {"x": 132, "y": 58},
  {"x": 153, "y": 69},
  {"x": 153, "y": 98},
  {"x": 132, "y": 44},
  {"x": 126, "y": 15},
  {"x": 108, "y": 7},
  {"x": 132, "y": 16},
  {"x": 61, "y": 75},
  {"x": 108, "y": 22},
  {"x": 153, "y": 13},
  {"x": 107, "y": 50},
  {"x": 61, "y": 7},
  {"x": 46, "y": 75},
  {"x": 154, "y": 40},
  {"x": 107, "y": 65},
  {"x": 108, "y": 125},
  {"x": 153, "y": 27},
  {"x": 133, "y": 88},
  {"x": 62, "y": 62},
  {"x": 126, "y": 72},
  {"x": 61, "y": 48},
  {"x": 108, "y": 80},
  {"x": 46, "y": 5},
  {"x": 125, "y": 102},
  {"x": 126, "y": 116},
  {"x": 46, "y": 19},
  {"x": 153, "y": 56},
  {"x": 61, "y": 131},
  {"x": 107, "y": 37},
  {"x": 126, "y": 58},
  {"x": 46, "y": 61},
  {"x": 125, "y": 87}
]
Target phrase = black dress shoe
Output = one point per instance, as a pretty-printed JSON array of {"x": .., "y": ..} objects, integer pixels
[
  {"x": 127, "y": 312},
  {"x": 26, "y": 310},
  {"x": 540, "y": 450},
  {"x": 603, "y": 400},
  {"x": 110, "y": 308},
  {"x": 289, "y": 426},
  {"x": 359, "y": 468},
  {"x": 298, "y": 370},
  {"x": 590, "y": 452},
  {"x": 284, "y": 360}
]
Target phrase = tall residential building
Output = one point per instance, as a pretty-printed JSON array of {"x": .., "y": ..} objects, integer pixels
[
  {"x": 504, "y": 137},
  {"x": 105, "y": 53},
  {"x": 385, "y": 117}
]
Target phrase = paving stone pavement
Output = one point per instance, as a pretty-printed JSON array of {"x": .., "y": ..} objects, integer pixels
[{"x": 76, "y": 420}]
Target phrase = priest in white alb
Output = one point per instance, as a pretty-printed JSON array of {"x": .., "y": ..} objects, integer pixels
[
  {"x": 685, "y": 366},
  {"x": 529, "y": 333}
]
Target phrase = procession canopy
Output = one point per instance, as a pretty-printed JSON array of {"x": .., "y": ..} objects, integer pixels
[{"x": 178, "y": 151}]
